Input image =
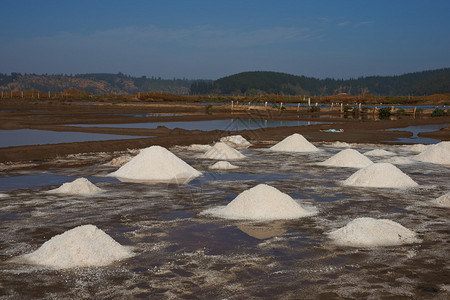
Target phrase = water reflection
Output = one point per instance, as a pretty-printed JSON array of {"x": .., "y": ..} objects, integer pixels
[{"x": 263, "y": 231}]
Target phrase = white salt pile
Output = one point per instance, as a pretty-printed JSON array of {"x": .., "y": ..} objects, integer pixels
[
  {"x": 80, "y": 186},
  {"x": 156, "y": 164},
  {"x": 3, "y": 195},
  {"x": 222, "y": 151},
  {"x": 417, "y": 147},
  {"x": 82, "y": 246},
  {"x": 236, "y": 141},
  {"x": 261, "y": 202},
  {"x": 223, "y": 165},
  {"x": 294, "y": 143},
  {"x": 379, "y": 152},
  {"x": 399, "y": 160},
  {"x": 369, "y": 232},
  {"x": 198, "y": 147},
  {"x": 383, "y": 175},
  {"x": 347, "y": 158},
  {"x": 444, "y": 200},
  {"x": 340, "y": 145},
  {"x": 119, "y": 161},
  {"x": 436, "y": 154}
]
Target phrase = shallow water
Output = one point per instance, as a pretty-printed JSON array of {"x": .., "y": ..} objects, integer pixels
[
  {"x": 415, "y": 130},
  {"x": 183, "y": 254},
  {"x": 22, "y": 137},
  {"x": 230, "y": 125}
]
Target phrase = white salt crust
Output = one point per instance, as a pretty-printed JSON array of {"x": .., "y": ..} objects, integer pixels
[
  {"x": 221, "y": 151},
  {"x": 119, "y": 161},
  {"x": 443, "y": 200},
  {"x": 436, "y": 154},
  {"x": 369, "y": 232},
  {"x": 294, "y": 143},
  {"x": 82, "y": 246},
  {"x": 416, "y": 147},
  {"x": 383, "y": 175},
  {"x": 156, "y": 164},
  {"x": 340, "y": 145},
  {"x": 347, "y": 158},
  {"x": 379, "y": 152},
  {"x": 236, "y": 141},
  {"x": 198, "y": 147},
  {"x": 399, "y": 160},
  {"x": 262, "y": 202},
  {"x": 223, "y": 165},
  {"x": 80, "y": 186}
]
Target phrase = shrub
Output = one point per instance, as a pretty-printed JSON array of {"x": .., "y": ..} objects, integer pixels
[
  {"x": 314, "y": 109},
  {"x": 384, "y": 113},
  {"x": 347, "y": 108},
  {"x": 437, "y": 112},
  {"x": 400, "y": 111}
]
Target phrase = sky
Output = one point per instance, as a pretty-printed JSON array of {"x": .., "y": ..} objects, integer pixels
[{"x": 198, "y": 39}]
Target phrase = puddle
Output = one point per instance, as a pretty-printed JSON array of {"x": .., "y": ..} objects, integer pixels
[
  {"x": 416, "y": 139},
  {"x": 23, "y": 137},
  {"x": 230, "y": 125},
  {"x": 180, "y": 253}
]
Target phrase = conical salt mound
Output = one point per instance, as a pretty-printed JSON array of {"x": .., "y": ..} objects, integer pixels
[
  {"x": 222, "y": 151},
  {"x": 347, "y": 158},
  {"x": 236, "y": 141},
  {"x": 156, "y": 164},
  {"x": 443, "y": 201},
  {"x": 294, "y": 143},
  {"x": 261, "y": 202},
  {"x": 436, "y": 154},
  {"x": 223, "y": 165},
  {"x": 383, "y": 175},
  {"x": 80, "y": 186},
  {"x": 369, "y": 232},
  {"x": 82, "y": 246}
]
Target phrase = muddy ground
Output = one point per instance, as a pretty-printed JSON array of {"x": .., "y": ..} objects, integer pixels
[{"x": 53, "y": 116}]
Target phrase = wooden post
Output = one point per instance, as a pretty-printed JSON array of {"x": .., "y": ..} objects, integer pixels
[
  {"x": 48, "y": 94},
  {"x": 298, "y": 107},
  {"x": 309, "y": 104},
  {"x": 342, "y": 107},
  {"x": 265, "y": 105},
  {"x": 414, "y": 112},
  {"x": 281, "y": 105},
  {"x": 232, "y": 104},
  {"x": 331, "y": 108},
  {"x": 359, "y": 107},
  {"x": 22, "y": 94}
]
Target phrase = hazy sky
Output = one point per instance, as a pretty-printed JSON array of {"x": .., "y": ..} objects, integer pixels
[{"x": 212, "y": 39}]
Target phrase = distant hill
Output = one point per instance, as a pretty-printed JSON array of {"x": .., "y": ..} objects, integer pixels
[
  {"x": 100, "y": 83},
  {"x": 258, "y": 83}
]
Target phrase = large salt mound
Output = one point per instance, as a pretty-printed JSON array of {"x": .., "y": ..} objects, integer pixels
[
  {"x": 156, "y": 164},
  {"x": 417, "y": 147},
  {"x": 379, "y": 152},
  {"x": 80, "y": 186},
  {"x": 383, "y": 175},
  {"x": 236, "y": 141},
  {"x": 223, "y": 165},
  {"x": 222, "y": 151},
  {"x": 198, "y": 147},
  {"x": 444, "y": 200},
  {"x": 369, "y": 232},
  {"x": 261, "y": 202},
  {"x": 436, "y": 154},
  {"x": 294, "y": 143},
  {"x": 347, "y": 158},
  {"x": 82, "y": 246}
]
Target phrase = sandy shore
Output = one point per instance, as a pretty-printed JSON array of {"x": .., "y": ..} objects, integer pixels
[{"x": 43, "y": 116}]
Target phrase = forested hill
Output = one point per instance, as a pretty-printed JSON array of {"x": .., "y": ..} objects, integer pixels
[
  {"x": 257, "y": 83},
  {"x": 100, "y": 83}
]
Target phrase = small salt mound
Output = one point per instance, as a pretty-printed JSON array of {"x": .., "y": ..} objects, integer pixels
[
  {"x": 383, "y": 175},
  {"x": 294, "y": 143},
  {"x": 417, "y": 147},
  {"x": 80, "y": 186},
  {"x": 444, "y": 200},
  {"x": 369, "y": 232},
  {"x": 236, "y": 141},
  {"x": 261, "y": 202},
  {"x": 3, "y": 195},
  {"x": 119, "y": 161},
  {"x": 82, "y": 246},
  {"x": 340, "y": 145},
  {"x": 198, "y": 147},
  {"x": 399, "y": 160},
  {"x": 347, "y": 158},
  {"x": 156, "y": 164},
  {"x": 223, "y": 165},
  {"x": 222, "y": 151},
  {"x": 379, "y": 152},
  {"x": 436, "y": 154}
]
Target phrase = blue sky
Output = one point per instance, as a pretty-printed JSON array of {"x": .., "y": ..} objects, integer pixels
[{"x": 212, "y": 39}]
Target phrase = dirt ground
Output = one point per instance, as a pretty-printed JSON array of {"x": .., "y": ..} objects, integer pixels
[{"x": 53, "y": 116}]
